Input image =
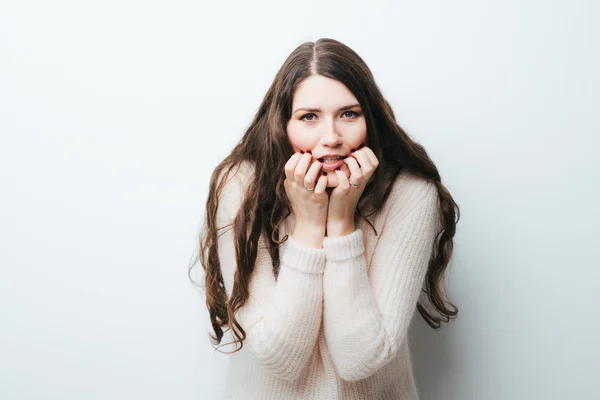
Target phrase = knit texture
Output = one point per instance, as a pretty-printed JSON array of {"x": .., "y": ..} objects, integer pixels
[{"x": 334, "y": 324}]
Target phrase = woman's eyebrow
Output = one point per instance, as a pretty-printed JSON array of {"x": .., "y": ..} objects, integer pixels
[{"x": 316, "y": 109}]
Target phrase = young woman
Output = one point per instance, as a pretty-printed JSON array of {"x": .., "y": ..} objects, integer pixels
[{"x": 323, "y": 226}]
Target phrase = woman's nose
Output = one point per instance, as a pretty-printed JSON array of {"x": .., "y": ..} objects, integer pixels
[{"x": 331, "y": 136}]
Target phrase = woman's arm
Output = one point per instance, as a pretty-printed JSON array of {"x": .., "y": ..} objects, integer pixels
[
  {"x": 367, "y": 320},
  {"x": 281, "y": 317}
]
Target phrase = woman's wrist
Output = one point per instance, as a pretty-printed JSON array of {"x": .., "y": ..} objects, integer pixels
[
  {"x": 340, "y": 228},
  {"x": 309, "y": 235}
]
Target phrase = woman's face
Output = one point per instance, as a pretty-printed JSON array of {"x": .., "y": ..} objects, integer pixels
[{"x": 326, "y": 119}]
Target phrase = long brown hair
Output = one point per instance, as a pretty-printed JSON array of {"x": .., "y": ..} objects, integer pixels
[{"x": 266, "y": 145}]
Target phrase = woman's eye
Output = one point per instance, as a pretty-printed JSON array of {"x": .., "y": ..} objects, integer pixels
[
  {"x": 305, "y": 115},
  {"x": 353, "y": 113}
]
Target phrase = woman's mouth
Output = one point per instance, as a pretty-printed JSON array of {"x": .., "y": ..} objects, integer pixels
[{"x": 330, "y": 164}]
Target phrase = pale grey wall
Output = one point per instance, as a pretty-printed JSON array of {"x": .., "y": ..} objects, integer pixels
[{"x": 113, "y": 113}]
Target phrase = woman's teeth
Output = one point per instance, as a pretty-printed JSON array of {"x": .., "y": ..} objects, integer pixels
[{"x": 330, "y": 160}]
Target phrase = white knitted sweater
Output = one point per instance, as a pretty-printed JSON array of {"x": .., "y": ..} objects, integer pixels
[{"x": 334, "y": 325}]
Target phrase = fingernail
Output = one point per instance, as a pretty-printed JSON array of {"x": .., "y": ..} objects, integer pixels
[
  {"x": 338, "y": 169},
  {"x": 320, "y": 159}
]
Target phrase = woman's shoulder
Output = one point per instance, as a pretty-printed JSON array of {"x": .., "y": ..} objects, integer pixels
[
  {"x": 409, "y": 181},
  {"x": 237, "y": 176},
  {"x": 239, "y": 172},
  {"x": 234, "y": 188},
  {"x": 411, "y": 191}
]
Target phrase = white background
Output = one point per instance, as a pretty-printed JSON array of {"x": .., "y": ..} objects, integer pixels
[{"x": 114, "y": 113}]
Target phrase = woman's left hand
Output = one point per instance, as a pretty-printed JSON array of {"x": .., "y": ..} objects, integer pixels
[{"x": 344, "y": 198}]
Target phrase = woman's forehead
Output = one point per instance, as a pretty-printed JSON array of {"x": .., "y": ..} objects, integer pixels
[{"x": 324, "y": 94}]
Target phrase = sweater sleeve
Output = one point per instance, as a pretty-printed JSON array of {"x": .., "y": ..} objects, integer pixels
[
  {"x": 281, "y": 317},
  {"x": 367, "y": 314}
]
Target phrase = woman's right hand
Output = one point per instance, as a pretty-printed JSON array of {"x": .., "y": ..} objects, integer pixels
[{"x": 309, "y": 206}]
